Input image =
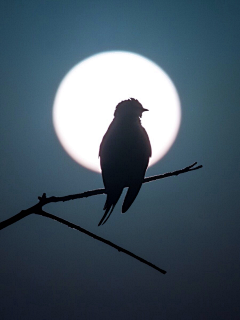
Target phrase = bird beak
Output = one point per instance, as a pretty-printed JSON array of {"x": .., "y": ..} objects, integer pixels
[{"x": 144, "y": 110}]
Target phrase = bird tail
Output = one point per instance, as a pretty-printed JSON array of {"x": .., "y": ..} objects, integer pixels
[
  {"x": 130, "y": 196},
  {"x": 110, "y": 203}
]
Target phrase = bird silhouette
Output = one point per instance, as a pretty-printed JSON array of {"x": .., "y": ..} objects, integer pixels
[{"x": 124, "y": 155}]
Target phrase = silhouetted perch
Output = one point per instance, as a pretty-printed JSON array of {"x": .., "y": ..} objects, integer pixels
[
  {"x": 43, "y": 200},
  {"x": 90, "y": 234}
]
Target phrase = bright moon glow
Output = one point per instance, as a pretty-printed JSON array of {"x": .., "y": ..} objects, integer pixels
[{"x": 88, "y": 94}]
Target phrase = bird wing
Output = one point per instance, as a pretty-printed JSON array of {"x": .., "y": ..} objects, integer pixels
[
  {"x": 131, "y": 195},
  {"x": 141, "y": 155},
  {"x": 112, "y": 166}
]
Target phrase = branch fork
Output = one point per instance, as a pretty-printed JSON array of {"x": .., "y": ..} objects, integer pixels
[{"x": 43, "y": 200}]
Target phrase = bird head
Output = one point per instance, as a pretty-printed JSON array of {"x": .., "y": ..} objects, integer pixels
[{"x": 129, "y": 108}]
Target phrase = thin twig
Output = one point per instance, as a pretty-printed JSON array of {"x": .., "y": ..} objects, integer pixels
[
  {"x": 109, "y": 243},
  {"x": 22, "y": 214},
  {"x": 43, "y": 200},
  {"x": 102, "y": 191},
  {"x": 174, "y": 173}
]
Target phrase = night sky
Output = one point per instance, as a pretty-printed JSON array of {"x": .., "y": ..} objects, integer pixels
[{"x": 188, "y": 225}]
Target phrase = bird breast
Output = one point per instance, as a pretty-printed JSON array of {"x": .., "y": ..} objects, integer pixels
[{"x": 124, "y": 151}]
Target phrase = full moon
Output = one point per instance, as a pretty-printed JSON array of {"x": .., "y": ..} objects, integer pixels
[{"x": 87, "y": 96}]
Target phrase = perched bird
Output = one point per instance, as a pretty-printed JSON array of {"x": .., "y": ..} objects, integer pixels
[{"x": 124, "y": 155}]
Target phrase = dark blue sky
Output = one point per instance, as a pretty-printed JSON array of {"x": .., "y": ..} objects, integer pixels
[{"x": 188, "y": 225}]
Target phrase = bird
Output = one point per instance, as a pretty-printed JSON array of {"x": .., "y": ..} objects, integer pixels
[{"x": 124, "y": 156}]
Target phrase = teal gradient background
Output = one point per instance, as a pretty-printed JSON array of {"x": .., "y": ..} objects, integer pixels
[{"x": 188, "y": 225}]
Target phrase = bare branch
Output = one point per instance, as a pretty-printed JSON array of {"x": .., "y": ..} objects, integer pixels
[
  {"x": 174, "y": 173},
  {"x": 109, "y": 243},
  {"x": 102, "y": 191},
  {"x": 43, "y": 200},
  {"x": 22, "y": 214}
]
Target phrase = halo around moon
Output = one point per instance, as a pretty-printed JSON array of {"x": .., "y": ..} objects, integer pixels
[{"x": 87, "y": 96}]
